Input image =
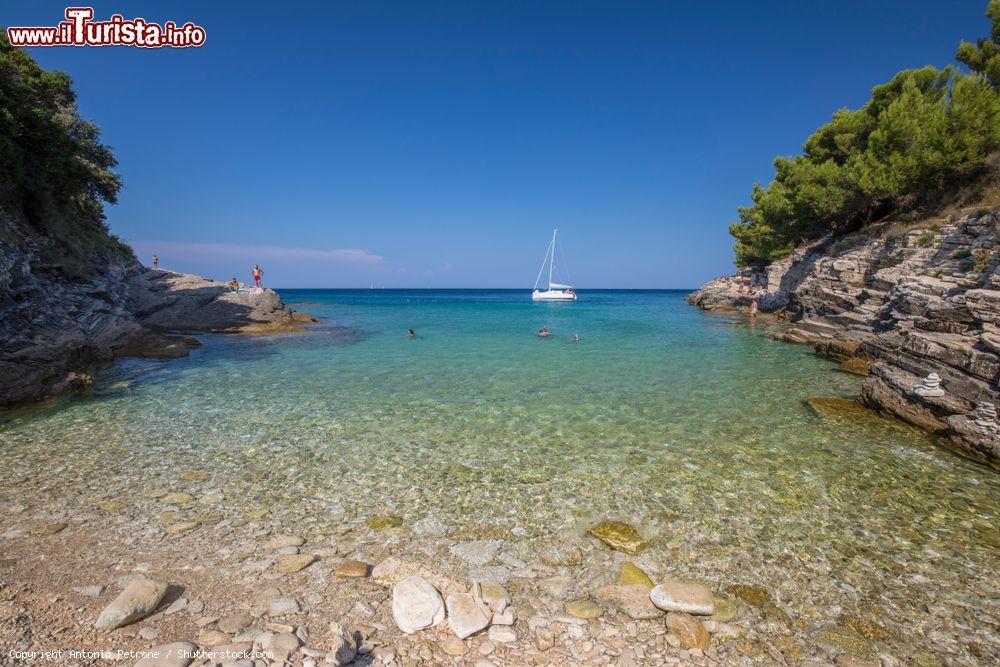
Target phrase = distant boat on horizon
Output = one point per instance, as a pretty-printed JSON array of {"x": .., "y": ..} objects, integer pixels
[{"x": 556, "y": 291}]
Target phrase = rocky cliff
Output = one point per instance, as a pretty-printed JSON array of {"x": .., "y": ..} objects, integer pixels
[
  {"x": 57, "y": 331},
  {"x": 915, "y": 308}
]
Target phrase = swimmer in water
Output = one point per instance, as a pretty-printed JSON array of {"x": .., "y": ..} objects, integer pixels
[
  {"x": 543, "y": 332},
  {"x": 576, "y": 337},
  {"x": 410, "y": 333}
]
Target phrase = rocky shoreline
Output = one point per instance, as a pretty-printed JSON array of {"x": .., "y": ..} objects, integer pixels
[
  {"x": 232, "y": 543},
  {"x": 897, "y": 304},
  {"x": 277, "y": 598},
  {"x": 57, "y": 333}
]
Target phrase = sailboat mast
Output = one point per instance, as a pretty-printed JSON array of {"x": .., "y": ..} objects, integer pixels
[{"x": 552, "y": 259}]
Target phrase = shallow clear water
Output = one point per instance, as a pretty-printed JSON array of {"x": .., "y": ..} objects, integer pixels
[{"x": 692, "y": 426}]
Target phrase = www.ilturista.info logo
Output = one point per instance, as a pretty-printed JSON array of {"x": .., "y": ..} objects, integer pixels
[{"x": 79, "y": 29}]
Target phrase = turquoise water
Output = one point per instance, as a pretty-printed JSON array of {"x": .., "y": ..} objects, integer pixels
[{"x": 690, "y": 425}]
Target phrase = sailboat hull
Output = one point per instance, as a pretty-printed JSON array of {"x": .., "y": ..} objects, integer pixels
[
  {"x": 553, "y": 295},
  {"x": 555, "y": 291}
]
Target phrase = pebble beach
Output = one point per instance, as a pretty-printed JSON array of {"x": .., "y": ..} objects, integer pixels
[{"x": 667, "y": 491}]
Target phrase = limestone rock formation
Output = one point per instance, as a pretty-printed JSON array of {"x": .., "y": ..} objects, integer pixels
[
  {"x": 56, "y": 332},
  {"x": 164, "y": 300},
  {"x": 911, "y": 302}
]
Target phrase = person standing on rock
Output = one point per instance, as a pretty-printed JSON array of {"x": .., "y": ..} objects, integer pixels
[
  {"x": 257, "y": 273},
  {"x": 156, "y": 262}
]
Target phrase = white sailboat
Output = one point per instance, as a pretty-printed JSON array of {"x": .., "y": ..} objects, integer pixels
[{"x": 556, "y": 291}]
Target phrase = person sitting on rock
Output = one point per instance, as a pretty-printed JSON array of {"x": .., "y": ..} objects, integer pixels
[{"x": 234, "y": 285}]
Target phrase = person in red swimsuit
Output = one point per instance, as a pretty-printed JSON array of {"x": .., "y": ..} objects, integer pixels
[{"x": 257, "y": 273}]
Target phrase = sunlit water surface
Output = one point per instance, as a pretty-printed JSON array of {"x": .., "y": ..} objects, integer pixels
[{"x": 689, "y": 425}]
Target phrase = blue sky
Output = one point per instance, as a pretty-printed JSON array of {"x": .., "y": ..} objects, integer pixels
[{"x": 436, "y": 144}]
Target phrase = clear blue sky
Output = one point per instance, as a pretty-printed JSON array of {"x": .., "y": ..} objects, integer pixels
[{"x": 412, "y": 144}]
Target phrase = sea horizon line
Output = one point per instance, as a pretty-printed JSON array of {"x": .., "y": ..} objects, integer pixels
[{"x": 491, "y": 289}]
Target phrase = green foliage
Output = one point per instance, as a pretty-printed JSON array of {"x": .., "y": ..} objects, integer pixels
[
  {"x": 52, "y": 164},
  {"x": 925, "y": 240},
  {"x": 982, "y": 257},
  {"x": 983, "y": 57},
  {"x": 919, "y": 132}
]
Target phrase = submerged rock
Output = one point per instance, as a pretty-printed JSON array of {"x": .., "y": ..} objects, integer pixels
[
  {"x": 382, "y": 521},
  {"x": 477, "y": 552},
  {"x": 633, "y": 574},
  {"x": 855, "y": 366},
  {"x": 619, "y": 536},
  {"x": 139, "y": 599},
  {"x": 560, "y": 554},
  {"x": 631, "y": 600},
  {"x": 725, "y": 610},
  {"x": 754, "y": 595},
  {"x": 180, "y": 527},
  {"x": 585, "y": 609},
  {"x": 865, "y": 626},
  {"x": 176, "y": 498},
  {"x": 840, "y": 408},
  {"x": 683, "y": 596},
  {"x": 773, "y": 612},
  {"x": 461, "y": 473},
  {"x": 555, "y": 586},
  {"x": 845, "y": 641},
  {"x": 352, "y": 568},
  {"x": 429, "y": 526},
  {"x": 688, "y": 629}
]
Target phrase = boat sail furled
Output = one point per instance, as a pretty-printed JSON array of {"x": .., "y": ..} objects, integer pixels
[{"x": 556, "y": 291}]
